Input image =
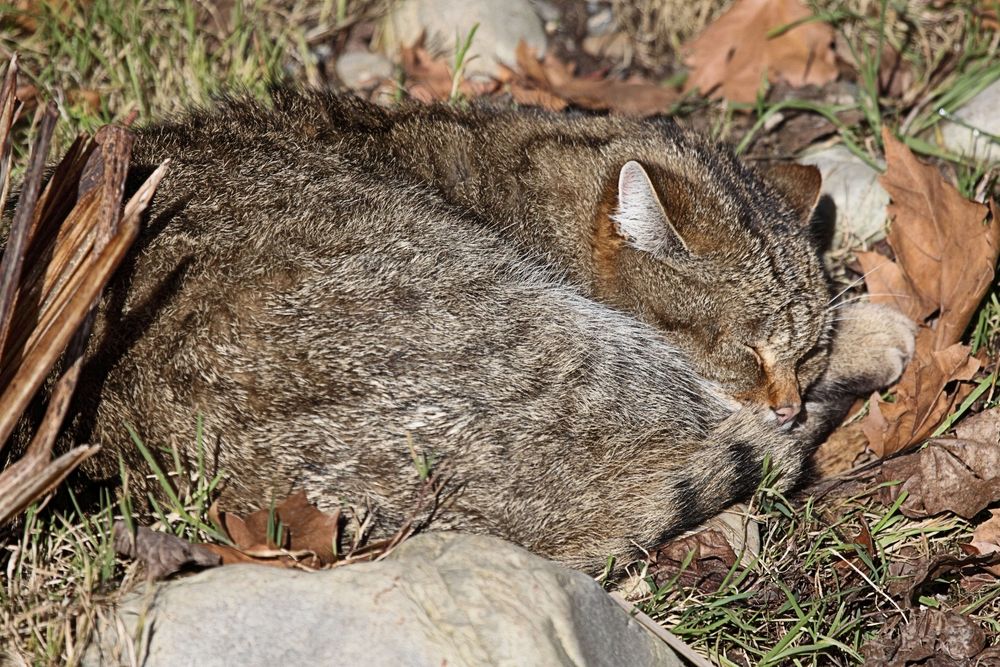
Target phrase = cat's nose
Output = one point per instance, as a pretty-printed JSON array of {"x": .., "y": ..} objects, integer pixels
[{"x": 787, "y": 413}]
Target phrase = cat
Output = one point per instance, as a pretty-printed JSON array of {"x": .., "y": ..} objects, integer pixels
[
  {"x": 336, "y": 304},
  {"x": 553, "y": 186}
]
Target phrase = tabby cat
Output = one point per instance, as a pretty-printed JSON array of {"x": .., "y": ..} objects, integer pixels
[{"x": 596, "y": 329}]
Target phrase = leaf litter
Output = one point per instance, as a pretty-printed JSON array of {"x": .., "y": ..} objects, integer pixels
[
  {"x": 945, "y": 248},
  {"x": 758, "y": 40}
]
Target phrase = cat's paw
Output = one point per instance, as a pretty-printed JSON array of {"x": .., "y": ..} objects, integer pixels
[{"x": 871, "y": 347}]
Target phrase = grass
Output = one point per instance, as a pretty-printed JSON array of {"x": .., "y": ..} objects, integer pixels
[
  {"x": 814, "y": 596},
  {"x": 62, "y": 567},
  {"x": 811, "y": 597}
]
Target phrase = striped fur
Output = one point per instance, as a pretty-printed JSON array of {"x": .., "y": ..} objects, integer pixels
[{"x": 334, "y": 286}]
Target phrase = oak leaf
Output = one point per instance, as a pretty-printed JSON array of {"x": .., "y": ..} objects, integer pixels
[
  {"x": 734, "y": 54},
  {"x": 949, "y": 475},
  {"x": 633, "y": 97},
  {"x": 986, "y": 538},
  {"x": 294, "y": 533},
  {"x": 944, "y": 263}
]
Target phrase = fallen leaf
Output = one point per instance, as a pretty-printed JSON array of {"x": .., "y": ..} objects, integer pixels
[
  {"x": 89, "y": 99},
  {"x": 295, "y": 533},
  {"x": 939, "y": 240},
  {"x": 888, "y": 283},
  {"x": 634, "y": 97},
  {"x": 709, "y": 566},
  {"x": 983, "y": 426},
  {"x": 921, "y": 400},
  {"x": 734, "y": 54},
  {"x": 932, "y": 637},
  {"x": 944, "y": 262},
  {"x": 986, "y": 538},
  {"x": 841, "y": 451},
  {"x": 959, "y": 476},
  {"x": 162, "y": 554},
  {"x": 429, "y": 79}
]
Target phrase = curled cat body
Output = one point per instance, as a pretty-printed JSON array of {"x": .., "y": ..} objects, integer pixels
[{"x": 598, "y": 329}]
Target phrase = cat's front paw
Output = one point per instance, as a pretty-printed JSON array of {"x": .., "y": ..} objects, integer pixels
[{"x": 871, "y": 347}]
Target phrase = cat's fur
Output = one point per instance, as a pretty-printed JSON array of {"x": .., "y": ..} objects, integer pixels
[
  {"x": 734, "y": 280},
  {"x": 331, "y": 301}
]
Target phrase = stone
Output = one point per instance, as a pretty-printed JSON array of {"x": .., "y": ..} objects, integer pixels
[
  {"x": 859, "y": 198},
  {"x": 440, "y": 598},
  {"x": 362, "y": 70},
  {"x": 976, "y": 119},
  {"x": 501, "y": 26}
]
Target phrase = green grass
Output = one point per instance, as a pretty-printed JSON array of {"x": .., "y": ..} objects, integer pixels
[
  {"x": 814, "y": 596},
  {"x": 62, "y": 565}
]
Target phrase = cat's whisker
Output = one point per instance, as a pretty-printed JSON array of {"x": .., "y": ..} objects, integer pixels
[
  {"x": 853, "y": 284},
  {"x": 867, "y": 295}
]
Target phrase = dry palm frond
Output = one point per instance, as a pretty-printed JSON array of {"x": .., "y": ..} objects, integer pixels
[{"x": 65, "y": 242}]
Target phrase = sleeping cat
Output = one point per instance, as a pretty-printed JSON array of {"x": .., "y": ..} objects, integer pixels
[{"x": 597, "y": 328}]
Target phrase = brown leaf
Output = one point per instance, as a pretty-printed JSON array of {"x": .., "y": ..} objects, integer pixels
[
  {"x": 959, "y": 476},
  {"x": 983, "y": 426},
  {"x": 712, "y": 560},
  {"x": 304, "y": 533},
  {"x": 536, "y": 97},
  {"x": 939, "y": 239},
  {"x": 733, "y": 55},
  {"x": 162, "y": 554},
  {"x": 945, "y": 259},
  {"x": 634, "y": 97},
  {"x": 887, "y": 283},
  {"x": 841, "y": 451},
  {"x": 932, "y": 637},
  {"x": 429, "y": 79},
  {"x": 921, "y": 398},
  {"x": 986, "y": 538}
]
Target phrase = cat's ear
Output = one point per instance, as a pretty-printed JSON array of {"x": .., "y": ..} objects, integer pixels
[
  {"x": 798, "y": 184},
  {"x": 640, "y": 216}
]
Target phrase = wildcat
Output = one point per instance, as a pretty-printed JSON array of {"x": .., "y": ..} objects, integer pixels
[{"x": 333, "y": 301}]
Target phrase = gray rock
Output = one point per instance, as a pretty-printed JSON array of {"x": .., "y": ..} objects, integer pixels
[
  {"x": 501, "y": 26},
  {"x": 978, "y": 116},
  {"x": 441, "y": 598},
  {"x": 362, "y": 69},
  {"x": 854, "y": 188}
]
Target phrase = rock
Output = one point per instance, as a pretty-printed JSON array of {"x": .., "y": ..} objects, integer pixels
[
  {"x": 501, "y": 26},
  {"x": 440, "y": 598},
  {"x": 978, "y": 116},
  {"x": 360, "y": 70},
  {"x": 859, "y": 198}
]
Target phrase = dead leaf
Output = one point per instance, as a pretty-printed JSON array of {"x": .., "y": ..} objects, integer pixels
[
  {"x": 429, "y": 79},
  {"x": 932, "y": 637},
  {"x": 939, "y": 239},
  {"x": 921, "y": 401},
  {"x": 634, "y": 97},
  {"x": 162, "y": 554},
  {"x": 888, "y": 283},
  {"x": 89, "y": 99},
  {"x": 841, "y": 451},
  {"x": 733, "y": 55},
  {"x": 295, "y": 533},
  {"x": 959, "y": 476},
  {"x": 945, "y": 259},
  {"x": 709, "y": 566},
  {"x": 986, "y": 538},
  {"x": 983, "y": 426}
]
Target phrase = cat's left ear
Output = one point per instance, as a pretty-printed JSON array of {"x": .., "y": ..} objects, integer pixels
[
  {"x": 641, "y": 218},
  {"x": 798, "y": 184}
]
